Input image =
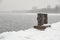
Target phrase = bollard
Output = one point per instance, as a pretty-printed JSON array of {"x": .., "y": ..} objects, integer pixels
[{"x": 42, "y": 19}]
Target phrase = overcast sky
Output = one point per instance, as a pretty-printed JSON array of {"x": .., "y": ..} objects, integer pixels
[{"x": 25, "y": 4}]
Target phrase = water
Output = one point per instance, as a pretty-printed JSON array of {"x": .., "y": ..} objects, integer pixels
[
  {"x": 16, "y": 21},
  {"x": 53, "y": 18},
  {"x": 10, "y": 22}
]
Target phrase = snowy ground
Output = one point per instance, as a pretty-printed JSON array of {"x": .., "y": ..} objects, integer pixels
[{"x": 52, "y": 33}]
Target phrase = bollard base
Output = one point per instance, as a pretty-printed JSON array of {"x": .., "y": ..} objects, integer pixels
[{"x": 41, "y": 27}]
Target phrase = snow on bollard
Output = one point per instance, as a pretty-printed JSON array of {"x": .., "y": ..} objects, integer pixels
[{"x": 42, "y": 21}]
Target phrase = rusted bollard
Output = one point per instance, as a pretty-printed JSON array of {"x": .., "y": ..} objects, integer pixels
[{"x": 42, "y": 19}]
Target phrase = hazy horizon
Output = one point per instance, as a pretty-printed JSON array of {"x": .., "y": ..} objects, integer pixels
[{"x": 26, "y": 4}]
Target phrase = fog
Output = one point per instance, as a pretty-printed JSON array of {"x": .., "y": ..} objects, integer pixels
[{"x": 25, "y": 4}]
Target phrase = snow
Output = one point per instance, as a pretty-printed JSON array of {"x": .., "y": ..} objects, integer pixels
[{"x": 52, "y": 33}]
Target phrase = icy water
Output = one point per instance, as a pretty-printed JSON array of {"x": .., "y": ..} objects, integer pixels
[
  {"x": 10, "y": 22},
  {"x": 53, "y": 18},
  {"x": 15, "y": 22}
]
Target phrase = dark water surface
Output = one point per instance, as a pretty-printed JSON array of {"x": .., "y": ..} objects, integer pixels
[{"x": 15, "y": 22}]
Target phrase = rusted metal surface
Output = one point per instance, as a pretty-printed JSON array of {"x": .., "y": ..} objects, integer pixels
[{"x": 42, "y": 19}]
